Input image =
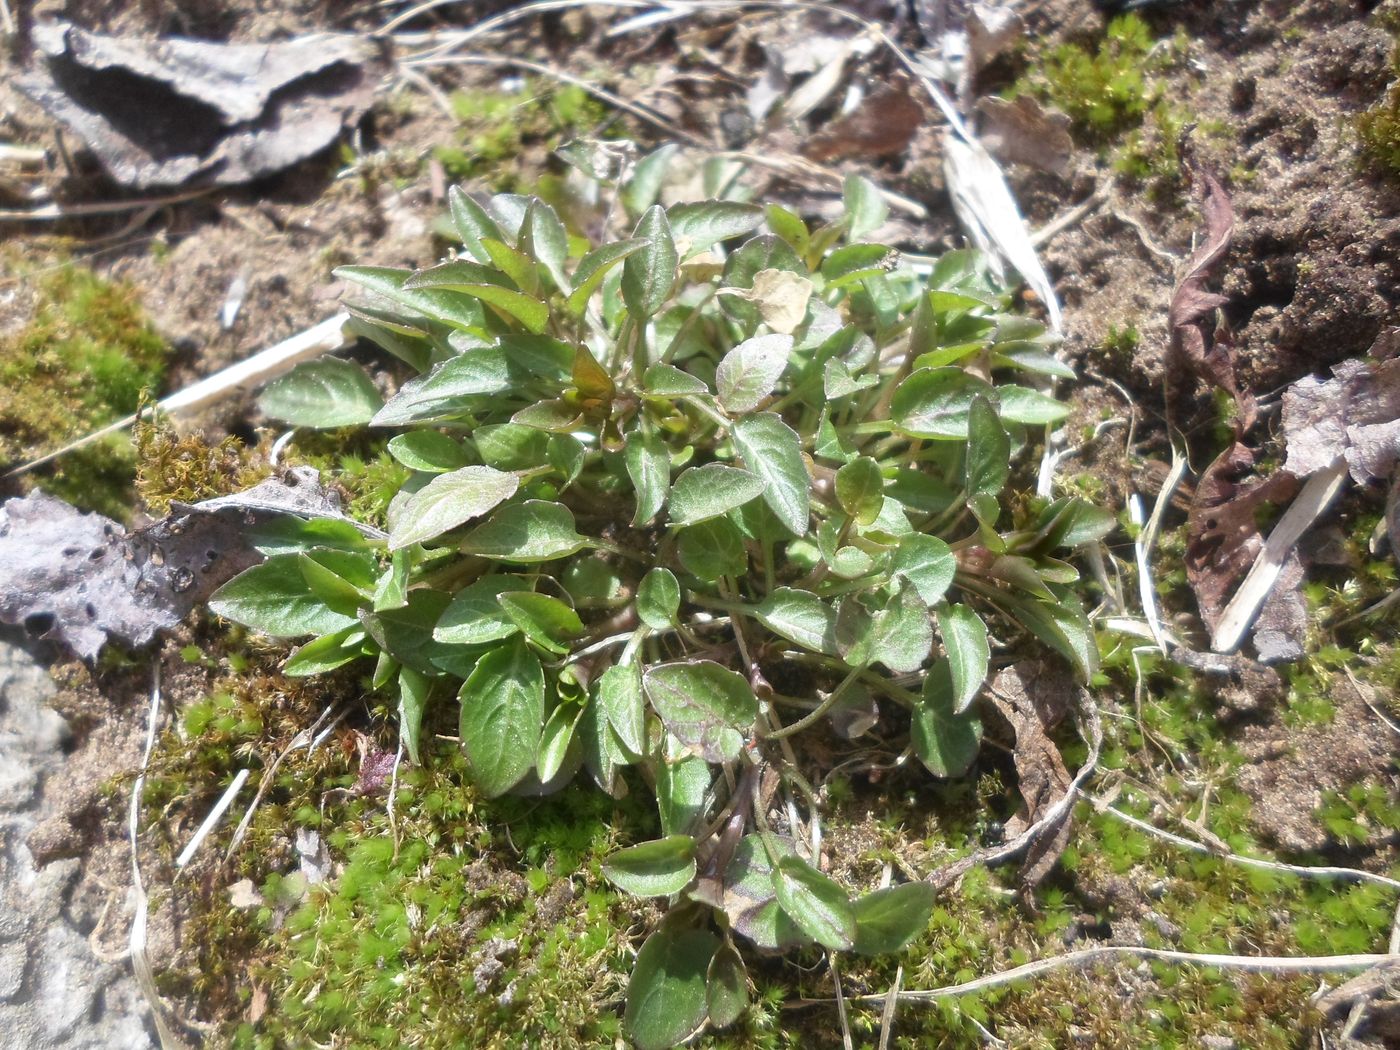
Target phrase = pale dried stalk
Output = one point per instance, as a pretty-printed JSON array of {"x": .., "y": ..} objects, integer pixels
[{"x": 323, "y": 338}]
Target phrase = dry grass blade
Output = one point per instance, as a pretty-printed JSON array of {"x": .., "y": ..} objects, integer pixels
[
  {"x": 57, "y": 211},
  {"x": 140, "y": 963},
  {"x": 1088, "y": 956}
]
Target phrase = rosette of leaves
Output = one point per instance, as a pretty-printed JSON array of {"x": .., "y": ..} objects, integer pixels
[{"x": 651, "y": 477}]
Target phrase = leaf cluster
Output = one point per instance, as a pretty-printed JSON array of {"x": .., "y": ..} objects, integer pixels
[{"x": 650, "y": 477}]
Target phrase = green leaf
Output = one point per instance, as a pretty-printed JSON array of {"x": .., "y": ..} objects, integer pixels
[
  {"x": 620, "y": 696},
  {"x": 502, "y": 715},
  {"x": 935, "y": 402},
  {"x": 413, "y": 701},
  {"x": 866, "y": 210},
  {"x": 475, "y": 617},
  {"x": 800, "y": 617},
  {"x": 510, "y": 446},
  {"x": 707, "y": 492},
  {"x": 772, "y": 451},
  {"x": 555, "y": 740},
  {"x": 480, "y": 372},
  {"x": 643, "y": 186},
  {"x": 965, "y": 642},
  {"x": 750, "y": 899},
  {"x": 543, "y": 619},
  {"x": 747, "y": 374},
  {"x": 928, "y": 563},
  {"x": 666, "y": 1002},
  {"x": 649, "y": 274},
  {"x": 901, "y": 636},
  {"x": 1023, "y": 405},
  {"x": 988, "y": 460},
  {"x": 407, "y": 632},
  {"x": 472, "y": 223},
  {"x": 595, "y": 266},
  {"x": 602, "y": 754},
  {"x": 681, "y": 787},
  {"x": 474, "y": 280},
  {"x": 860, "y": 489},
  {"x": 450, "y": 500},
  {"x": 708, "y": 708},
  {"x": 713, "y": 549},
  {"x": 285, "y": 534},
  {"x": 837, "y": 380},
  {"x": 726, "y": 987},
  {"x": 326, "y": 653},
  {"x": 533, "y": 531},
  {"x": 888, "y": 919},
  {"x": 818, "y": 904},
  {"x": 428, "y": 451},
  {"x": 855, "y": 262},
  {"x": 657, "y": 868},
  {"x": 658, "y": 599},
  {"x": 543, "y": 237},
  {"x": 648, "y": 463},
  {"x": 515, "y": 264},
  {"x": 706, "y": 223},
  {"x": 322, "y": 394},
  {"x": 1063, "y": 626},
  {"x": 439, "y": 304},
  {"x": 274, "y": 598},
  {"x": 661, "y": 380},
  {"x": 944, "y": 740},
  {"x": 789, "y": 227}
]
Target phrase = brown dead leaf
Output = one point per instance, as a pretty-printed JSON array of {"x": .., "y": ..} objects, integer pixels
[
  {"x": 1023, "y": 131},
  {"x": 883, "y": 124},
  {"x": 1032, "y": 698},
  {"x": 1355, "y": 414},
  {"x": 171, "y": 111},
  {"x": 1196, "y": 345},
  {"x": 1222, "y": 530}
]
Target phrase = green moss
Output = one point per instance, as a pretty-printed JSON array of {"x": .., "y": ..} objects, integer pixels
[
  {"x": 496, "y": 127},
  {"x": 85, "y": 357},
  {"x": 1378, "y": 127}
]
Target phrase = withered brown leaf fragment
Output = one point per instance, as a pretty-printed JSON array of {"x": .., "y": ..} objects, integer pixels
[
  {"x": 1222, "y": 526},
  {"x": 81, "y": 579},
  {"x": 882, "y": 125},
  {"x": 1032, "y": 698},
  {"x": 1195, "y": 343},
  {"x": 173, "y": 111}
]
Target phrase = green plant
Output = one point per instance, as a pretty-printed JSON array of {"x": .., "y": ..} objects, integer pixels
[{"x": 674, "y": 508}]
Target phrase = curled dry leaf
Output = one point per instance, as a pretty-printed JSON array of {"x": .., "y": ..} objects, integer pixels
[
  {"x": 1195, "y": 345},
  {"x": 81, "y": 578},
  {"x": 1032, "y": 698},
  {"x": 1223, "y": 538},
  {"x": 171, "y": 111},
  {"x": 883, "y": 124}
]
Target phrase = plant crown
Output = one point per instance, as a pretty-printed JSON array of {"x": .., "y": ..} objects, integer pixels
[{"x": 674, "y": 500}]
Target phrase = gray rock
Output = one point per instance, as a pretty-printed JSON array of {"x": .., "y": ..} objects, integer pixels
[{"x": 55, "y": 993}]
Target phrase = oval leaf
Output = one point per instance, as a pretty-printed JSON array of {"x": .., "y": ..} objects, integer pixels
[
  {"x": 816, "y": 903},
  {"x": 659, "y": 599},
  {"x": 666, "y": 1002},
  {"x": 945, "y": 741},
  {"x": 772, "y": 450},
  {"x": 965, "y": 640},
  {"x": 450, "y": 500},
  {"x": 502, "y": 716},
  {"x": 707, "y": 492},
  {"x": 748, "y": 373},
  {"x": 708, "y": 708},
  {"x": 322, "y": 394},
  {"x": 528, "y": 532},
  {"x": 888, "y": 919},
  {"x": 653, "y": 869}
]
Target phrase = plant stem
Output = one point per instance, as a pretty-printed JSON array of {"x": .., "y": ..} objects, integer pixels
[{"x": 821, "y": 709}]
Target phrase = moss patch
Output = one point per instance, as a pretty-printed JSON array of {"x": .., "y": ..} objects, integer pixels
[{"x": 85, "y": 357}]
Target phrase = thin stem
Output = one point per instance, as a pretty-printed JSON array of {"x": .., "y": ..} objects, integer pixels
[{"x": 821, "y": 709}]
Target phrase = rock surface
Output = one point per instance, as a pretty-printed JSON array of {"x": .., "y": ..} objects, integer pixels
[{"x": 55, "y": 991}]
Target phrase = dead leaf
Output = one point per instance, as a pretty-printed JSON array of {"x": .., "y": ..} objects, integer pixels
[
  {"x": 1023, "y": 131},
  {"x": 1032, "y": 698},
  {"x": 81, "y": 579},
  {"x": 781, "y": 298},
  {"x": 172, "y": 111},
  {"x": 1195, "y": 343},
  {"x": 1355, "y": 414},
  {"x": 1222, "y": 529},
  {"x": 883, "y": 124}
]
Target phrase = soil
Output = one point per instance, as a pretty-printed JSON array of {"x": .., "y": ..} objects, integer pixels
[{"x": 1312, "y": 278}]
